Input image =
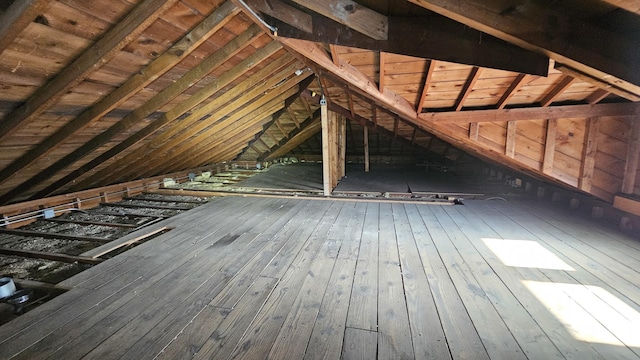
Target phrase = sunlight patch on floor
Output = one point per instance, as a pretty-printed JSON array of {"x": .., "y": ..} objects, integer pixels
[
  {"x": 589, "y": 313},
  {"x": 525, "y": 253}
]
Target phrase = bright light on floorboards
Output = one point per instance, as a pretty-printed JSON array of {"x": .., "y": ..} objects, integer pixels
[
  {"x": 589, "y": 313},
  {"x": 525, "y": 253}
]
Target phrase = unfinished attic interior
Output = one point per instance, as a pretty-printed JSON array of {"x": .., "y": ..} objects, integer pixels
[{"x": 288, "y": 179}]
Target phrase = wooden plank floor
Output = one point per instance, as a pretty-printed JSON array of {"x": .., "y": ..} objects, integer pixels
[{"x": 256, "y": 278}]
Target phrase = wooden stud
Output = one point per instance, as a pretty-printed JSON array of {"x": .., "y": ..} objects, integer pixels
[
  {"x": 549, "y": 146},
  {"x": 381, "y": 71},
  {"x": 342, "y": 148},
  {"x": 589, "y": 151},
  {"x": 597, "y": 96},
  {"x": 513, "y": 88},
  {"x": 510, "y": 145},
  {"x": 425, "y": 86},
  {"x": 366, "y": 148},
  {"x": 468, "y": 87},
  {"x": 633, "y": 158},
  {"x": 556, "y": 91}
]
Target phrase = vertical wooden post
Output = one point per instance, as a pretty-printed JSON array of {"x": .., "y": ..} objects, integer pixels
[
  {"x": 366, "y": 149},
  {"x": 589, "y": 154},
  {"x": 549, "y": 146},
  {"x": 510, "y": 145},
  {"x": 342, "y": 148},
  {"x": 326, "y": 145},
  {"x": 633, "y": 157}
]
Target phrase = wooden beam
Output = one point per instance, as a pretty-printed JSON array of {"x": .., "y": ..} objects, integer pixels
[
  {"x": 109, "y": 45},
  {"x": 533, "y": 113},
  {"x": 549, "y": 146},
  {"x": 468, "y": 86},
  {"x": 50, "y": 256},
  {"x": 589, "y": 151},
  {"x": 284, "y": 12},
  {"x": 425, "y": 85},
  {"x": 48, "y": 235},
  {"x": 633, "y": 158},
  {"x": 556, "y": 91},
  {"x": 602, "y": 85},
  {"x": 510, "y": 144},
  {"x": 279, "y": 126},
  {"x": 151, "y": 72},
  {"x": 352, "y": 76},
  {"x": 164, "y": 96},
  {"x": 351, "y": 14},
  {"x": 17, "y": 17},
  {"x": 428, "y": 37},
  {"x": 513, "y": 88},
  {"x": 297, "y": 139},
  {"x": 100, "y": 223},
  {"x": 572, "y": 41}
]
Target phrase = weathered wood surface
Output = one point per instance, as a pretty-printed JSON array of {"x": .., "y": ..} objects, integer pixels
[{"x": 294, "y": 278}]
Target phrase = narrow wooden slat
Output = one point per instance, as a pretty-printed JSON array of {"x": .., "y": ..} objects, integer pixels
[
  {"x": 381, "y": 71},
  {"x": 97, "y": 55},
  {"x": 326, "y": 150},
  {"x": 48, "y": 235},
  {"x": 335, "y": 54},
  {"x": 589, "y": 154},
  {"x": 597, "y": 96},
  {"x": 474, "y": 129},
  {"x": 50, "y": 256},
  {"x": 83, "y": 222},
  {"x": 467, "y": 88},
  {"x": 534, "y": 113},
  {"x": 602, "y": 85},
  {"x": 144, "y": 198},
  {"x": 425, "y": 86},
  {"x": 143, "y": 206},
  {"x": 513, "y": 88},
  {"x": 633, "y": 158},
  {"x": 557, "y": 90},
  {"x": 510, "y": 145},
  {"x": 549, "y": 146},
  {"x": 393, "y": 319}
]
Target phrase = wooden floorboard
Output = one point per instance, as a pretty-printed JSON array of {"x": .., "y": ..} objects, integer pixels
[{"x": 290, "y": 278}]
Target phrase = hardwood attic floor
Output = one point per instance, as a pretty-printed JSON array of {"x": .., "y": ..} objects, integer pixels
[{"x": 297, "y": 278}]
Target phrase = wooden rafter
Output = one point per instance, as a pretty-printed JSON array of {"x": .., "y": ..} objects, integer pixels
[
  {"x": 579, "y": 44},
  {"x": 151, "y": 72},
  {"x": 602, "y": 85},
  {"x": 352, "y": 14},
  {"x": 467, "y": 88},
  {"x": 220, "y": 106},
  {"x": 557, "y": 90},
  {"x": 597, "y": 96},
  {"x": 279, "y": 10},
  {"x": 335, "y": 54},
  {"x": 288, "y": 137},
  {"x": 425, "y": 86},
  {"x": 287, "y": 108},
  {"x": 95, "y": 56},
  {"x": 279, "y": 126},
  {"x": 513, "y": 88},
  {"x": 298, "y": 138},
  {"x": 17, "y": 17},
  {"x": 169, "y": 93},
  {"x": 534, "y": 113},
  {"x": 169, "y": 116}
]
